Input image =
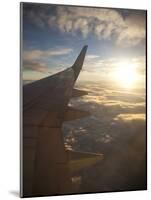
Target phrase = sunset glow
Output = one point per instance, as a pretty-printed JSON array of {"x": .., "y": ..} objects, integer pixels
[{"x": 126, "y": 74}]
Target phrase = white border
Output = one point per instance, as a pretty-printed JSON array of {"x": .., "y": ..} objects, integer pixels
[{"x": 9, "y": 98}]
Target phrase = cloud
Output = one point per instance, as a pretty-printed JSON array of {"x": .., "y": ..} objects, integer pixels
[
  {"x": 113, "y": 119},
  {"x": 37, "y": 54},
  {"x": 130, "y": 117},
  {"x": 134, "y": 31},
  {"x": 92, "y": 56},
  {"x": 34, "y": 59},
  {"x": 109, "y": 101},
  {"x": 103, "y": 23},
  {"x": 35, "y": 66},
  {"x": 140, "y": 62},
  {"x": 117, "y": 130}
]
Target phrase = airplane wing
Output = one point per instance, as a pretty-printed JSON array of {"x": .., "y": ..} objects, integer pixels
[{"x": 47, "y": 166}]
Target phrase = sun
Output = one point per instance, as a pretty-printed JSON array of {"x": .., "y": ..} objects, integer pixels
[{"x": 125, "y": 74}]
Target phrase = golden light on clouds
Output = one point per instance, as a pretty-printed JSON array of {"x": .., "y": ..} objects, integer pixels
[
  {"x": 126, "y": 74},
  {"x": 129, "y": 117}
]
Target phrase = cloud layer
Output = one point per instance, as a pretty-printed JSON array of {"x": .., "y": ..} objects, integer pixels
[
  {"x": 38, "y": 54},
  {"x": 103, "y": 23},
  {"x": 34, "y": 59},
  {"x": 111, "y": 109},
  {"x": 116, "y": 127}
]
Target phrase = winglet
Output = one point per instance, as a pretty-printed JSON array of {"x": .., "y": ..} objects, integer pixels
[{"x": 79, "y": 62}]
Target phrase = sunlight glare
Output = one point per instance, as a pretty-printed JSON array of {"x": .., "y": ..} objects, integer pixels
[{"x": 126, "y": 74}]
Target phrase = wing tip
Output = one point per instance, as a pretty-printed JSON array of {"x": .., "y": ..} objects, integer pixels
[{"x": 79, "y": 61}]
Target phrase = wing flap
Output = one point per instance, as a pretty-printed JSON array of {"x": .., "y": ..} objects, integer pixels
[
  {"x": 73, "y": 114},
  {"x": 78, "y": 93},
  {"x": 82, "y": 160}
]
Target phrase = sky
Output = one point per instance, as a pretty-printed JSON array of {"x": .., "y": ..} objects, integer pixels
[{"x": 54, "y": 35}]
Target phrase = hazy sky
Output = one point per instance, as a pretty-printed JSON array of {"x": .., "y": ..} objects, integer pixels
[{"x": 54, "y": 35}]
